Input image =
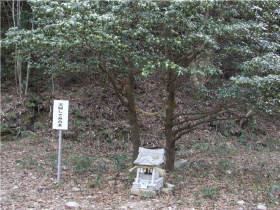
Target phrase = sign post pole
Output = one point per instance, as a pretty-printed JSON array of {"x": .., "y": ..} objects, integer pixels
[
  {"x": 60, "y": 122},
  {"x": 59, "y": 158}
]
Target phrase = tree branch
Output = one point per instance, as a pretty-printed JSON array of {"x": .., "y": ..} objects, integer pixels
[
  {"x": 190, "y": 128},
  {"x": 104, "y": 69}
]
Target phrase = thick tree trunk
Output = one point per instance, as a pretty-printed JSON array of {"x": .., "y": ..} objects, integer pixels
[
  {"x": 128, "y": 86},
  {"x": 169, "y": 134},
  {"x": 135, "y": 132},
  {"x": 132, "y": 116},
  {"x": 169, "y": 154}
]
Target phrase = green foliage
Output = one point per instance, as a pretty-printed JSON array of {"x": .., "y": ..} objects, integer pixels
[
  {"x": 234, "y": 45},
  {"x": 4, "y": 126},
  {"x": 224, "y": 164},
  {"x": 38, "y": 126},
  {"x": 27, "y": 162},
  {"x": 198, "y": 165},
  {"x": 78, "y": 122},
  {"x": 32, "y": 136},
  {"x": 272, "y": 191},
  {"x": 209, "y": 192},
  {"x": 261, "y": 76},
  {"x": 120, "y": 160},
  {"x": 53, "y": 158},
  {"x": 81, "y": 163}
]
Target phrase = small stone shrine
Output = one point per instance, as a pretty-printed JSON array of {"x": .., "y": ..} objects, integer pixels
[{"x": 149, "y": 175}]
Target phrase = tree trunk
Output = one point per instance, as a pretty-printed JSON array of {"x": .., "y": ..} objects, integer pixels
[
  {"x": 169, "y": 153},
  {"x": 27, "y": 74},
  {"x": 169, "y": 134},
  {"x": 18, "y": 67},
  {"x": 18, "y": 58},
  {"x": 130, "y": 104},
  {"x": 133, "y": 121},
  {"x": 135, "y": 132}
]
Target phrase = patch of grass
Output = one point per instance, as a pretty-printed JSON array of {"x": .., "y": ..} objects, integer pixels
[
  {"x": 196, "y": 203},
  {"x": 129, "y": 179},
  {"x": 27, "y": 162},
  {"x": 198, "y": 165},
  {"x": 4, "y": 126},
  {"x": 81, "y": 163},
  {"x": 102, "y": 168},
  {"x": 272, "y": 193},
  {"x": 57, "y": 185},
  {"x": 209, "y": 192},
  {"x": 53, "y": 159},
  {"x": 181, "y": 200},
  {"x": 224, "y": 165},
  {"x": 38, "y": 126},
  {"x": 120, "y": 160}
]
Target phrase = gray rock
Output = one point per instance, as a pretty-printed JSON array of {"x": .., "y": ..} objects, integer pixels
[
  {"x": 180, "y": 164},
  {"x": 240, "y": 203},
  {"x": 190, "y": 151},
  {"x": 112, "y": 183},
  {"x": 166, "y": 190},
  {"x": 75, "y": 189},
  {"x": 71, "y": 205},
  {"x": 143, "y": 192},
  {"x": 228, "y": 171},
  {"x": 169, "y": 185},
  {"x": 261, "y": 207}
]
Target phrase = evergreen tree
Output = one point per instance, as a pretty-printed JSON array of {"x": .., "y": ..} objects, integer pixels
[{"x": 228, "y": 52}]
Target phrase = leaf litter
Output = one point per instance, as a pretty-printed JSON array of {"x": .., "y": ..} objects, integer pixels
[{"x": 96, "y": 151}]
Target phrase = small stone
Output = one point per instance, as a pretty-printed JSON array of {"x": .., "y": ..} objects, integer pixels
[
  {"x": 72, "y": 205},
  {"x": 112, "y": 183},
  {"x": 35, "y": 204},
  {"x": 261, "y": 207},
  {"x": 75, "y": 189},
  {"x": 228, "y": 171},
  {"x": 190, "y": 151},
  {"x": 180, "y": 164},
  {"x": 89, "y": 197},
  {"x": 240, "y": 203},
  {"x": 33, "y": 191},
  {"x": 169, "y": 185},
  {"x": 166, "y": 190}
]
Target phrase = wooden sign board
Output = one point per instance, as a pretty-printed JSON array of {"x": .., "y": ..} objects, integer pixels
[{"x": 60, "y": 114}]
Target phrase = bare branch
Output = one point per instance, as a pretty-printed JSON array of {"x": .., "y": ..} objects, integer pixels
[
  {"x": 190, "y": 128},
  {"x": 222, "y": 105},
  {"x": 104, "y": 69}
]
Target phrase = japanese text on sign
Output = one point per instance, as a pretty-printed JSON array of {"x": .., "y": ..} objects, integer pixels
[{"x": 60, "y": 114}]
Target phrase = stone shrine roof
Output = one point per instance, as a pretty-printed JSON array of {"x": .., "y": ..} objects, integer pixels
[{"x": 150, "y": 157}]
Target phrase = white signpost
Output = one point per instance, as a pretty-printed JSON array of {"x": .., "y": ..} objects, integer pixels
[{"x": 60, "y": 122}]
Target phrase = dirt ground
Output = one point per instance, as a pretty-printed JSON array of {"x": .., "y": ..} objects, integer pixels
[{"x": 217, "y": 177}]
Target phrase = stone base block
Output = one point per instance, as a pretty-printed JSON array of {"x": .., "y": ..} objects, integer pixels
[{"x": 157, "y": 184}]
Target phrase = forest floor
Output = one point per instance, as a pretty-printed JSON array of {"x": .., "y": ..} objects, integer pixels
[{"x": 223, "y": 171}]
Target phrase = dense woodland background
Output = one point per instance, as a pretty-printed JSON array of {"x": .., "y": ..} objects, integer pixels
[{"x": 200, "y": 79}]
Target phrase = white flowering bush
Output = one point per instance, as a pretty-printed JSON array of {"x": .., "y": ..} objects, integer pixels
[{"x": 236, "y": 40}]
